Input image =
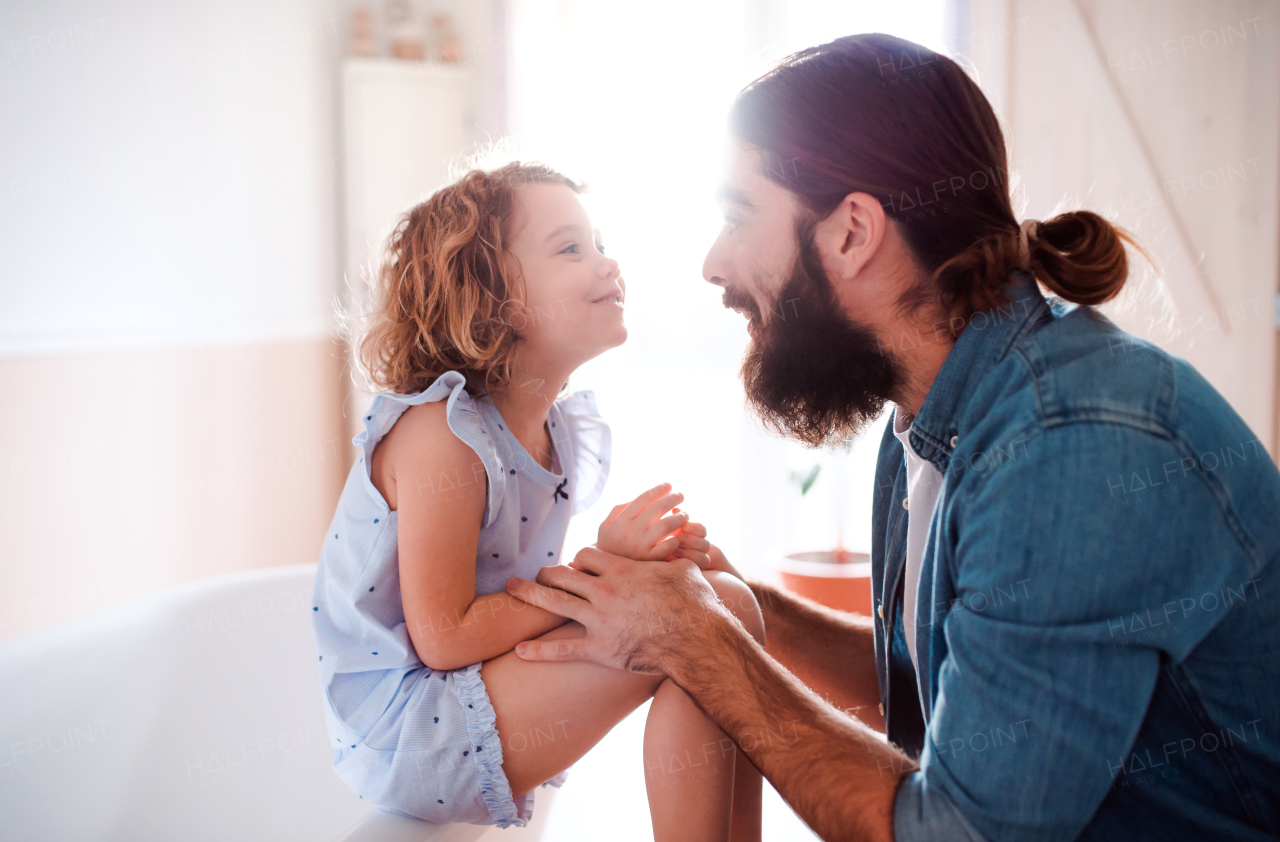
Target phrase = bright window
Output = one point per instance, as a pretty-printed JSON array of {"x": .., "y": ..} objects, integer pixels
[{"x": 633, "y": 98}]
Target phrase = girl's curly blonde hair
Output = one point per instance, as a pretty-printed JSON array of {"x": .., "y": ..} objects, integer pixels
[{"x": 444, "y": 297}]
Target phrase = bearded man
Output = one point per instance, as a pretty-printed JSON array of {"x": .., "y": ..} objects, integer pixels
[{"x": 1075, "y": 543}]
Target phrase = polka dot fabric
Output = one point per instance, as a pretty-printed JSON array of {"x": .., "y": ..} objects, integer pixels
[{"x": 414, "y": 741}]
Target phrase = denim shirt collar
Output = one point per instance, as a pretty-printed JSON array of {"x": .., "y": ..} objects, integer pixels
[{"x": 982, "y": 345}]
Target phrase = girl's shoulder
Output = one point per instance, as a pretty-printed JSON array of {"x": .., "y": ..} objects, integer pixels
[
  {"x": 438, "y": 430},
  {"x": 448, "y": 390},
  {"x": 420, "y": 446}
]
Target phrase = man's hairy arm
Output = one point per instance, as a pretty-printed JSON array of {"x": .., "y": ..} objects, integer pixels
[
  {"x": 840, "y": 776},
  {"x": 831, "y": 651},
  {"x": 792, "y": 735}
]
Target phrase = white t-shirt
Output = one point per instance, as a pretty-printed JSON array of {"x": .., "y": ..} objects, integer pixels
[{"x": 924, "y": 482}]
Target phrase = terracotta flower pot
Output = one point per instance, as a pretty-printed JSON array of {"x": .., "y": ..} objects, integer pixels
[{"x": 836, "y": 578}]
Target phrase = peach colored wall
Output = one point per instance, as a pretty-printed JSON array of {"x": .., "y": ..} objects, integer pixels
[{"x": 122, "y": 473}]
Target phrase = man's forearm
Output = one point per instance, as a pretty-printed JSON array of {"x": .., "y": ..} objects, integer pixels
[
  {"x": 794, "y": 737},
  {"x": 831, "y": 651}
]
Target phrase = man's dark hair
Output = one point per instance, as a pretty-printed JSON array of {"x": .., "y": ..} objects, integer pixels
[{"x": 877, "y": 114}]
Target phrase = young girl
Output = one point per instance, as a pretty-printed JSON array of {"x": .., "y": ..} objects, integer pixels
[{"x": 490, "y": 294}]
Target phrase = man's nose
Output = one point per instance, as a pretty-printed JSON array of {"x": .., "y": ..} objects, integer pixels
[{"x": 715, "y": 269}]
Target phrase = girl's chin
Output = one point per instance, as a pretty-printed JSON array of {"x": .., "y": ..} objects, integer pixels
[
  {"x": 613, "y": 339},
  {"x": 611, "y": 333},
  {"x": 588, "y": 349}
]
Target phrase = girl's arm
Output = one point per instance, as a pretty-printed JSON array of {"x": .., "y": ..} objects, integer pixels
[{"x": 438, "y": 531}]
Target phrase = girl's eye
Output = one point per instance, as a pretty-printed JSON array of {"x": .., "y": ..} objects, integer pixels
[
  {"x": 732, "y": 223},
  {"x": 572, "y": 249},
  {"x": 600, "y": 247}
]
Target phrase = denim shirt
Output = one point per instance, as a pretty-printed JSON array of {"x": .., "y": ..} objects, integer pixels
[{"x": 1098, "y": 612}]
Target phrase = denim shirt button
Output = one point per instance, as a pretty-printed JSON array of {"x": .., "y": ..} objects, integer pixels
[
  {"x": 882, "y": 708},
  {"x": 904, "y": 503},
  {"x": 880, "y": 610},
  {"x": 954, "y": 441}
]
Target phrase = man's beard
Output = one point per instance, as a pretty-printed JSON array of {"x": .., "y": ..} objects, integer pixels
[{"x": 812, "y": 374}]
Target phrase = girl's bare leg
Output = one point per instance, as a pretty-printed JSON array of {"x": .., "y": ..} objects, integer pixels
[
  {"x": 550, "y": 713},
  {"x": 747, "y": 797},
  {"x": 688, "y": 770},
  {"x": 747, "y": 781},
  {"x": 691, "y": 764}
]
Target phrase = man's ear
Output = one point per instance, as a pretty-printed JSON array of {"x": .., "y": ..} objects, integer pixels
[{"x": 850, "y": 235}]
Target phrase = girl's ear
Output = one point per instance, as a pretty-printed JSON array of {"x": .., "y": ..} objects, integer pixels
[{"x": 850, "y": 235}]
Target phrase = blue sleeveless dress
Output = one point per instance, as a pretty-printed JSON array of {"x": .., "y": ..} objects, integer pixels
[{"x": 415, "y": 741}]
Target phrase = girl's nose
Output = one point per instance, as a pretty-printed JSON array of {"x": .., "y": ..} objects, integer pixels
[{"x": 609, "y": 267}]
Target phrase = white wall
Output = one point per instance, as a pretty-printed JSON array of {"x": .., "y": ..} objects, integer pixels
[
  {"x": 637, "y": 106},
  {"x": 167, "y": 176},
  {"x": 169, "y": 170},
  {"x": 169, "y": 258},
  {"x": 168, "y": 261}
]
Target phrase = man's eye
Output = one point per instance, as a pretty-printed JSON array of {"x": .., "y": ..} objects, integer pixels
[
  {"x": 572, "y": 249},
  {"x": 731, "y": 222}
]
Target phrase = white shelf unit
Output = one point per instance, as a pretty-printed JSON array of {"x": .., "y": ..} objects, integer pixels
[{"x": 403, "y": 124}]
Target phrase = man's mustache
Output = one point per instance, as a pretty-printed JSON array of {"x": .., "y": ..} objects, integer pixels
[{"x": 735, "y": 299}]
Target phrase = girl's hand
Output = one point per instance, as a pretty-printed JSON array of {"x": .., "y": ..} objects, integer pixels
[
  {"x": 638, "y": 529},
  {"x": 696, "y": 548}
]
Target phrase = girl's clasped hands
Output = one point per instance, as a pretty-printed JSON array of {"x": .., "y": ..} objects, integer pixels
[{"x": 643, "y": 530}]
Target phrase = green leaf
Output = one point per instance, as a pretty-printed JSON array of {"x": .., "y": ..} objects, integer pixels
[{"x": 805, "y": 479}]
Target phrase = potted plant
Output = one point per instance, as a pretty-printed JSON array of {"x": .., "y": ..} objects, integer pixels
[{"x": 837, "y": 577}]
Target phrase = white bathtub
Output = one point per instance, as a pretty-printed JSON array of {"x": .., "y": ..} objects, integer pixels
[{"x": 190, "y": 714}]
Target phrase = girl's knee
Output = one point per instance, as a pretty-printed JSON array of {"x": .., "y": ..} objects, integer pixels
[{"x": 739, "y": 599}]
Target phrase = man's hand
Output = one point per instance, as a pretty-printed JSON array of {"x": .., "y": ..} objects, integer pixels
[
  {"x": 634, "y": 613},
  {"x": 638, "y": 529},
  {"x": 839, "y": 775}
]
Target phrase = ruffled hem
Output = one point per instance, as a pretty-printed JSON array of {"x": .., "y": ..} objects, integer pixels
[
  {"x": 592, "y": 447},
  {"x": 483, "y": 730}
]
